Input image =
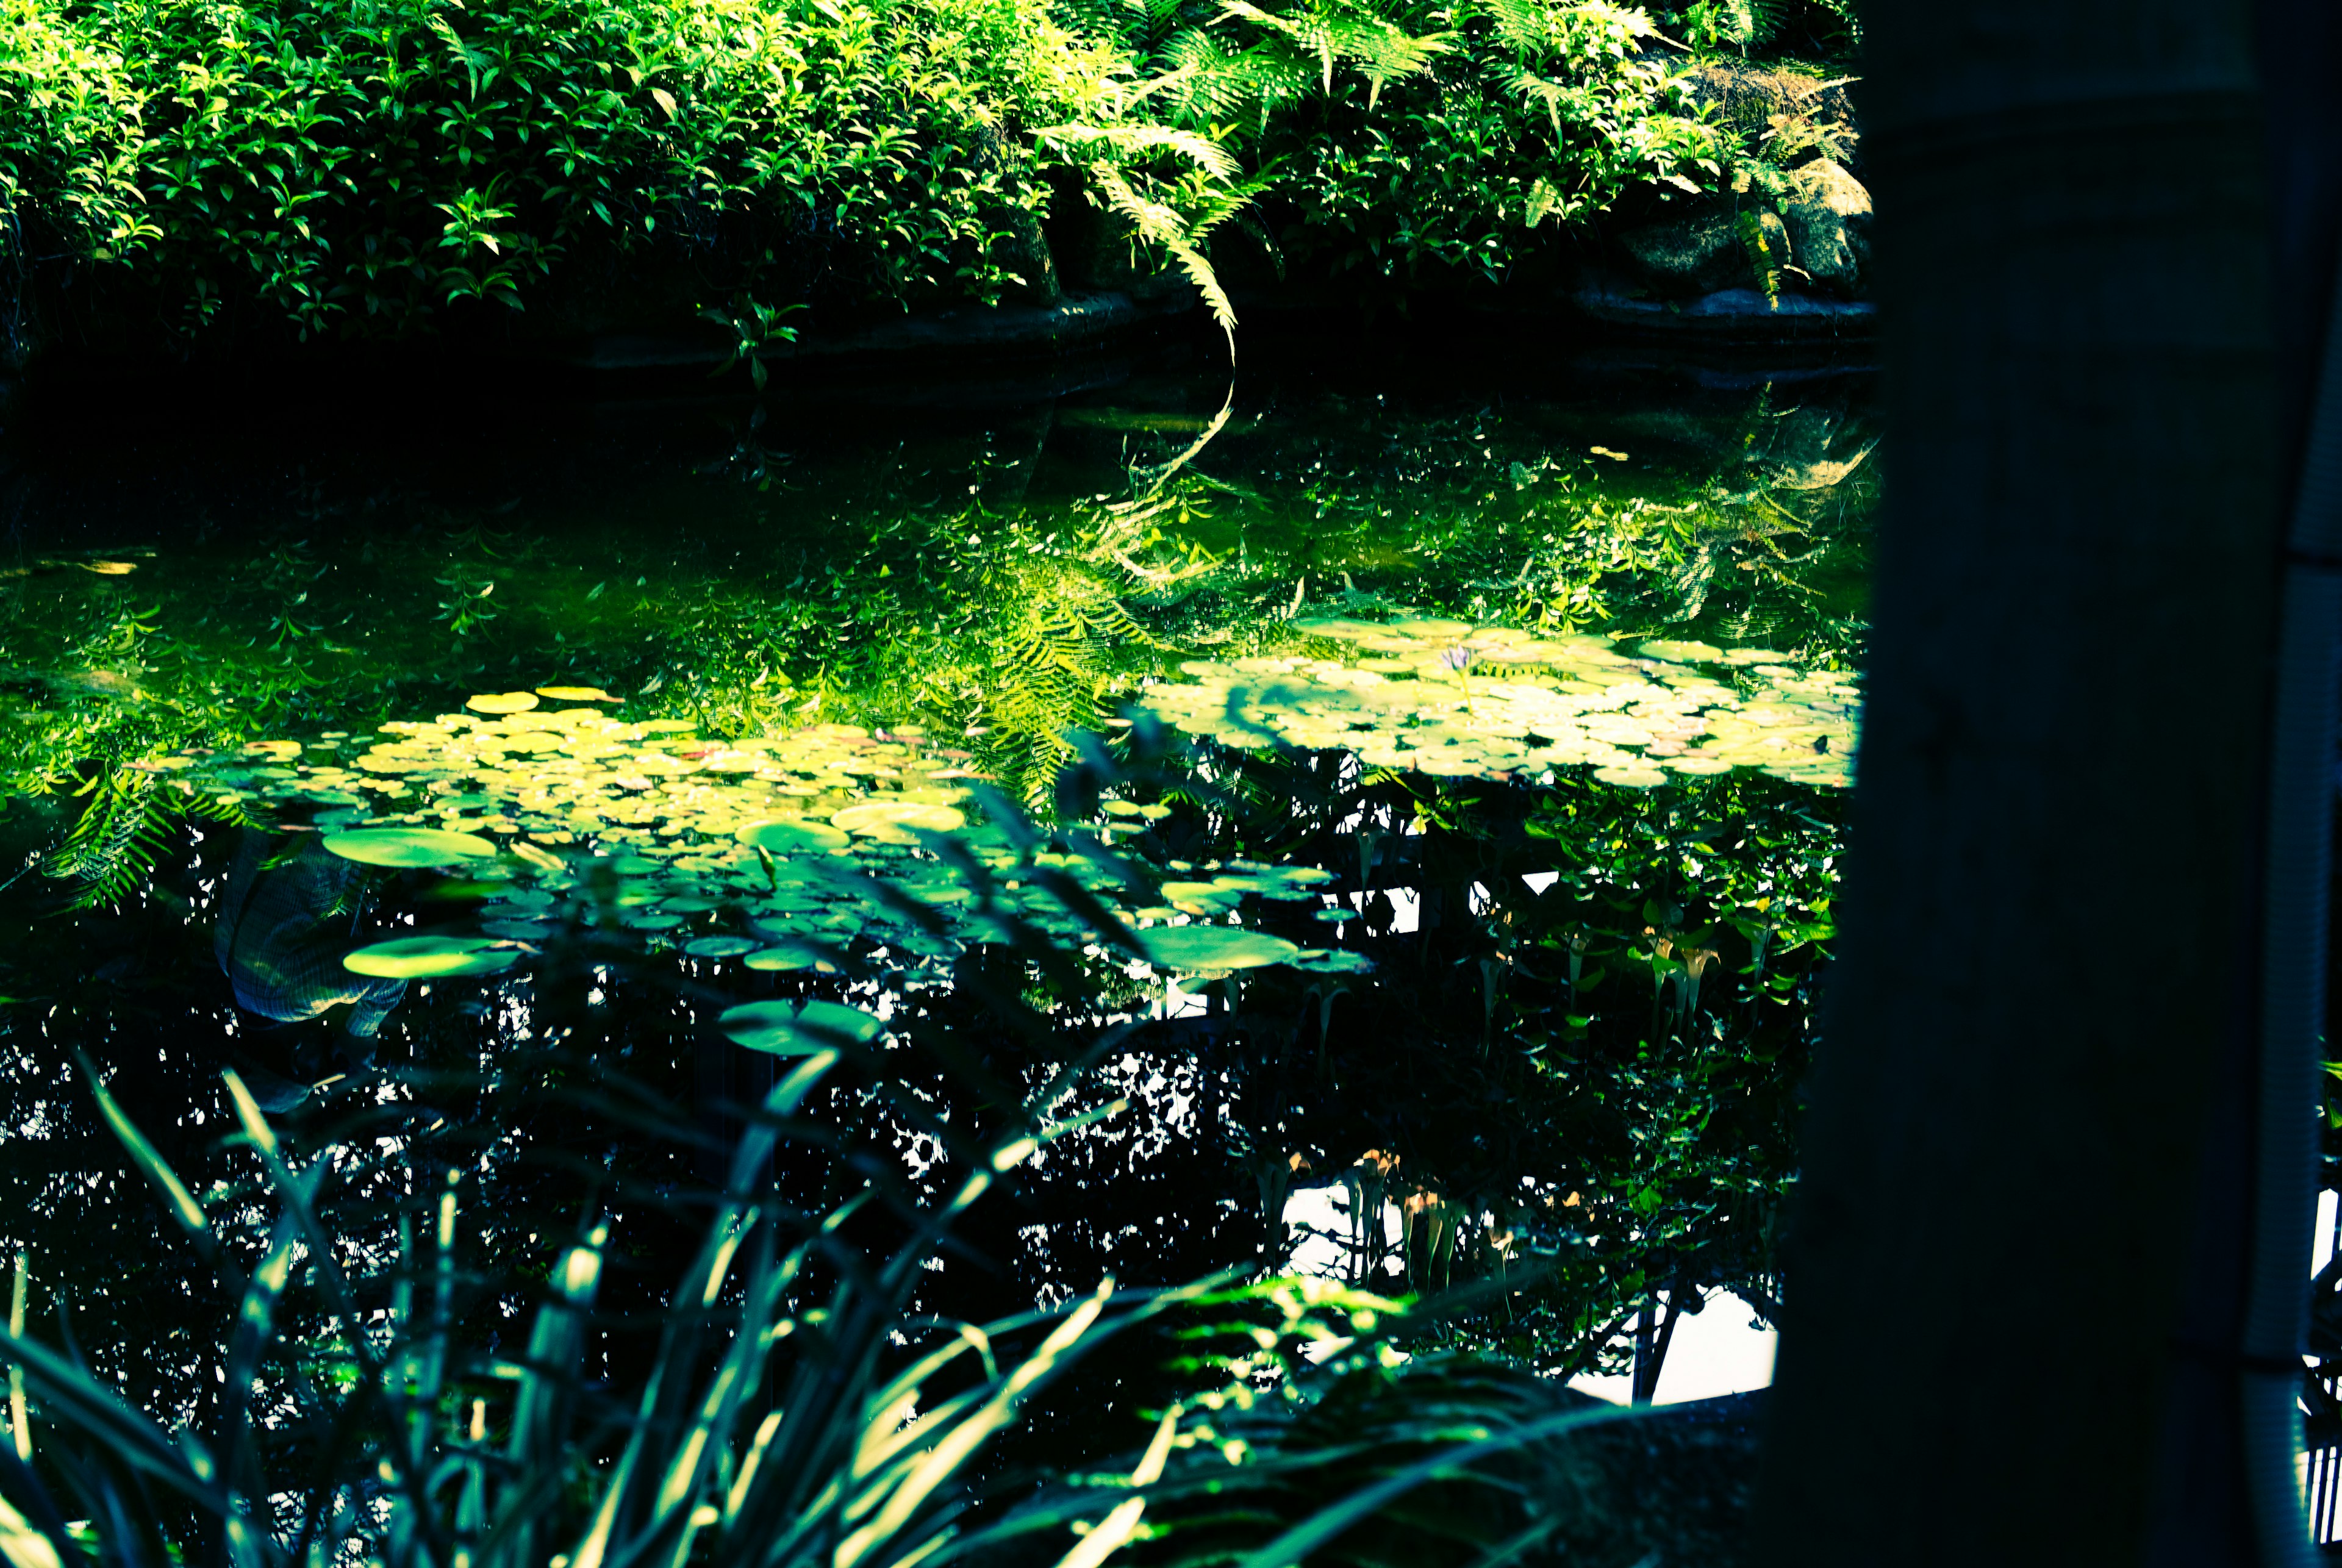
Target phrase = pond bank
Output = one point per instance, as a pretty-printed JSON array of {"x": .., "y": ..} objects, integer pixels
[{"x": 970, "y": 357}]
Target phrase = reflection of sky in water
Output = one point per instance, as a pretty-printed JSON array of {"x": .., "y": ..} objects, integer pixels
[{"x": 1720, "y": 1349}]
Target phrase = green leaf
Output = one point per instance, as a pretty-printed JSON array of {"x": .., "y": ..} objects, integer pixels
[
  {"x": 151, "y": 1164},
  {"x": 799, "y": 1027},
  {"x": 431, "y": 957},
  {"x": 407, "y": 847},
  {"x": 1212, "y": 948}
]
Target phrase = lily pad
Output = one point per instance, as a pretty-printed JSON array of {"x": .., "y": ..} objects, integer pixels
[
  {"x": 1332, "y": 960},
  {"x": 719, "y": 947},
  {"x": 799, "y": 1027},
  {"x": 430, "y": 957},
  {"x": 899, "y": 820},
  {"x": 501, "y": 701},
  {"x": 787, "y": 955},
  {"x": 1632, "y": 776},
  {"x": 407, "y": 846},
  {"x": 576, "y": 695},
  {"x": 792, "y": 835},
  {"x": 1215, "y": 947},
  {"x": 1676, "y": 652}
]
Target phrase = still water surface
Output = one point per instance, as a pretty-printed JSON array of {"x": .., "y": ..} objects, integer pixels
[{"x": 1429, "y": 793}]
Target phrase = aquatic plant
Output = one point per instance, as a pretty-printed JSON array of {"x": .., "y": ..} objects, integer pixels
[
  {"x": 768, "y": 1430},
  {"x": 1539, "y": 704}
]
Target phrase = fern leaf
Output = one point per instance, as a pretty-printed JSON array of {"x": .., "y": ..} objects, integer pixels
[
  {"x": 1127, "y": 140},
  {"x": 115, "y": 845},
  {"x": 1522, "y": 25},
  {"x": 1167, "y": 228}
]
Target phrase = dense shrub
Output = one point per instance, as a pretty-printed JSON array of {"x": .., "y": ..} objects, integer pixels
[
  {"x": 366, "y": 165},
  {"x": 193, "y": 168},
  {"x": 1424, "y": 140}
]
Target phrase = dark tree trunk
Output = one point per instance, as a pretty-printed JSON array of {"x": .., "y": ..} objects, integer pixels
[{"x": 2036, "y": 1067}]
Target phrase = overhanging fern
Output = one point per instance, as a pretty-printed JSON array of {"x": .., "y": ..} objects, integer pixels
[{"x": 121, "y": 834}]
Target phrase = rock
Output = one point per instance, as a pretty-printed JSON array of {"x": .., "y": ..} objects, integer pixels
[
  {"x": 1732, "y": 314},
  {"x": 1750, "y": 96},
  {"x": 1706, "y": 251},
  {"x": 1828, "y": 218},
  {"x": 1025, "y": 251}
]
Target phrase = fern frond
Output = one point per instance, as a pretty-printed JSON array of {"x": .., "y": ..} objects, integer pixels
[
  {"x": 1522, "y": 25},
  {"x": 1224, "y": 84},
  {"x": 1554, "y": 95},
  {"x": 1384, "y": 51},
  {"x": 1380, "y": 49},
  {"x": 1167, "y": 228},
  {"x": 114, "y": 846},
  {"x": 1129, "y": 140}
]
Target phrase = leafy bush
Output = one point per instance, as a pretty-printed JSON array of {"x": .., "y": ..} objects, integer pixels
[
  {"x": 364, "y": 167},
  {"x": 1428, "y": 142},
  {"x": 185, "y": 166}
]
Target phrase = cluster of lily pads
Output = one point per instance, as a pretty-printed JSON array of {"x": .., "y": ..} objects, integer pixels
[
  {"x": 1445, "y": 697},
  {"x": 777, "y": 852},
  {"x": 784, "y": 852}
]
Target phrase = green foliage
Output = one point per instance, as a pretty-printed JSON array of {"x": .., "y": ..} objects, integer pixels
[
  {"x": 1428, "y": 144},
  {"x": 127, "y": 824},
  {"x": 362, "y": 170},
  {"x": 193, "y": 170},
  {"x": 796, "y": 1408},
  {"x": 1828, "y": 27}
]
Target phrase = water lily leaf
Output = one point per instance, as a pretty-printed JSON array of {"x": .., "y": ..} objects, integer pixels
[
  {"x": 1678, "y": 652},
  {"x": 1633, "y": 777},
  {"x": 430, "y": 957},
  {"x": 1331, "y": 961},
  {"x": 407, "y": 846},
  {"x": 576, "y": 695},
  {"x": 719, "y": 947},
  {"x": 799, "y": 1027},
  {"x": 792, "y": 835},
  {"x": 1214, "y": 948},
  {"x": 785, "y": 955},
  {"x": 899, "y": 820},
  {"x": 501, "y": 701}
]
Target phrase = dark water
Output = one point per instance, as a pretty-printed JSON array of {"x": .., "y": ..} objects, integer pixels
[{"x": 1594, "y": 1067}]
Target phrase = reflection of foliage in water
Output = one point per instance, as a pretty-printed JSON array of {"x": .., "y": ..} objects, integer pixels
[
  {"x": 1628, "y": 1036},
  {"x": 851, "y": 597}
]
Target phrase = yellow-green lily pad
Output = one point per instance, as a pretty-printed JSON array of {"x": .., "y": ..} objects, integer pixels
[
  {"x": 787, "y": 955},
  {"x": 501, "y": 701},
  {"x": 1215, "y": 947},
  {"x": 792, "y": 835},
  {"x": 429, "y": 958},
  {"x": 407, "y": 846},
  {"x": 899, "y": 820}
]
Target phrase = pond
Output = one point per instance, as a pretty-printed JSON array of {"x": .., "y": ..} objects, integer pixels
[{"x": 1095, "y": 817}]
